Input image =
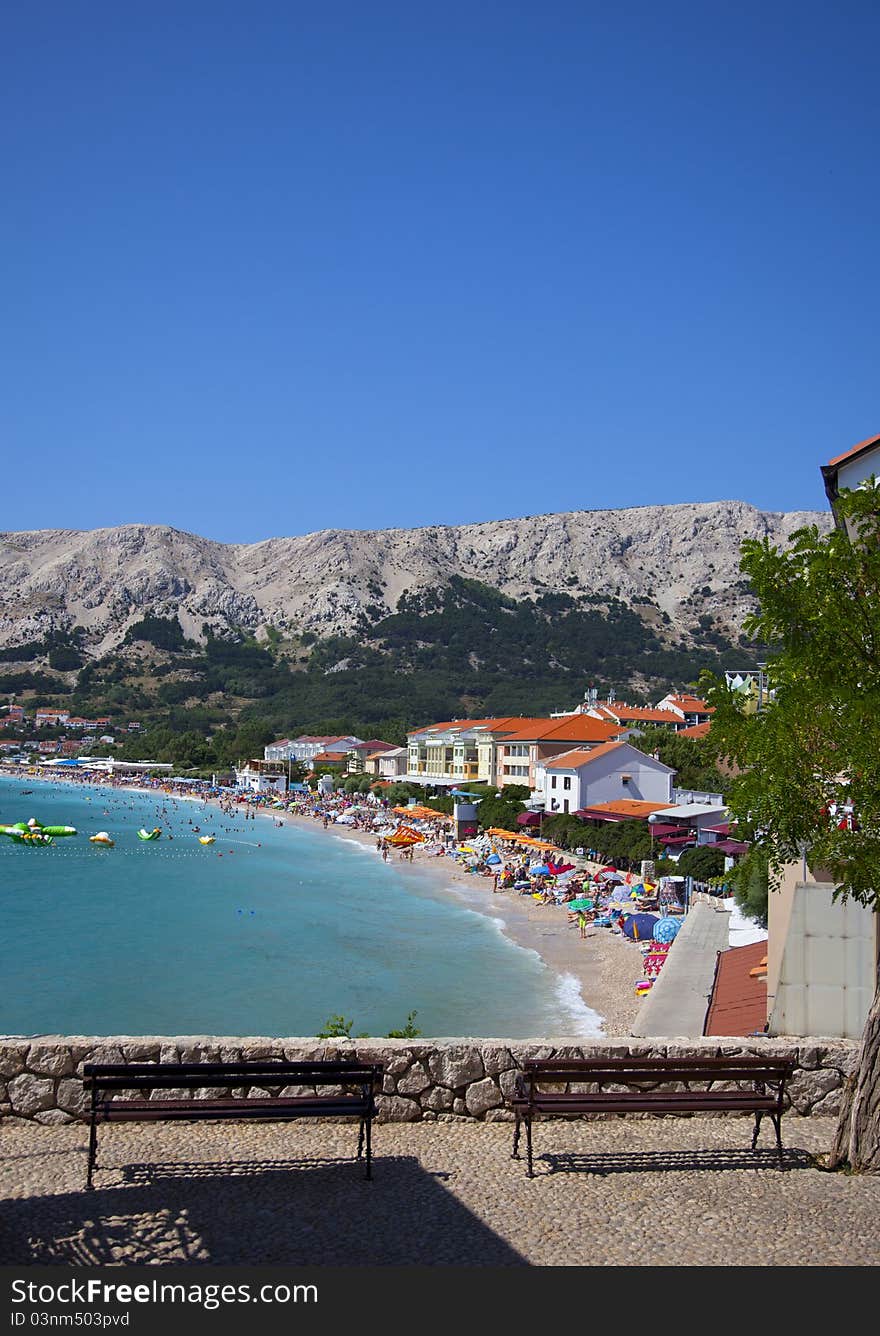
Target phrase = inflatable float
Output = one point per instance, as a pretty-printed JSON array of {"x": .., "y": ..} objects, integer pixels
[
  {"x": 33, "y": 832},
  {"x": 23, "y": 835},
  {"x": 102, "y": 838},
  {"x": 149, "y": 834},
  {"x": 206, "y": 839}
]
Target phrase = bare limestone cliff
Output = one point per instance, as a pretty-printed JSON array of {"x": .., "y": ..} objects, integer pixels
[{"x": 105, "y": 579}]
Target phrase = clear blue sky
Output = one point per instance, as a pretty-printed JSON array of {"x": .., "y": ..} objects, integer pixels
[{"x": 274, "y": 267}]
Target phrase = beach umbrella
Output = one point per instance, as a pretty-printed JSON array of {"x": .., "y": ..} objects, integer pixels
[
  {"x": 666, "y": 929},
  {"x": 493, "y": 858},
  {"x": 540, "y": 870},
  {"x": 639, "y": 927},
  {"x": 579, "y": 904}
]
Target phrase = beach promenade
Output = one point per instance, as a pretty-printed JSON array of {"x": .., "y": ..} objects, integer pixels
[{"x": 660, "y": 1192}]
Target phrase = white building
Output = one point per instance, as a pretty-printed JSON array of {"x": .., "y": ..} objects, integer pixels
[
  {"x": 262, "y": 776},
  {"x": 389, "y": 764},
  {"x": 610, "y": 772},
  {"x": 307, "y": 747}
]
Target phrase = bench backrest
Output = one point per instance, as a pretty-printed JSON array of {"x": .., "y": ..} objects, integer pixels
[
  {"x": 205, "y": 1075},
  {"x": 774, "y": 1071}
]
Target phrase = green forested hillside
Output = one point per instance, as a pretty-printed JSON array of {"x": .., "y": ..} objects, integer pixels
[{"x": 463, "y": 650}]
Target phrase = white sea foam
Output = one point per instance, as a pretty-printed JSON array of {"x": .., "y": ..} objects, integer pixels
[
  {"x": 568, "y": 992},
  {"x": 355, "y": 844},
  {"x": 497, "y": 923}
]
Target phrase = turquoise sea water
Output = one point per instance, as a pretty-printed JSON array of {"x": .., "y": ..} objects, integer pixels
[{"x": 288, "y": 927}]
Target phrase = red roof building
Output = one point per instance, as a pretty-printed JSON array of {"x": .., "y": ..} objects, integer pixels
[{"x": 738, "y": 1003}]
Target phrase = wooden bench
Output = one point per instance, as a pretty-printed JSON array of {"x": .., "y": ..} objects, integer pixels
[
  {"x": 649, "y": 1085},
  {"x": 330, "y": 1090}
]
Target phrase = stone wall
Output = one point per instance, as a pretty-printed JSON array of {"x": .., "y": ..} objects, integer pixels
[{"x": 426, "y": 1080}]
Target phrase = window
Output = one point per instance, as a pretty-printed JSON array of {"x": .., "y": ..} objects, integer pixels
[
  {"x": 553, "y": 782},
  {"x": 566, "y": 783}
]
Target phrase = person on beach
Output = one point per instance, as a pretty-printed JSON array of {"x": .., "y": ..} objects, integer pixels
[{"x": 582, "y": 923}]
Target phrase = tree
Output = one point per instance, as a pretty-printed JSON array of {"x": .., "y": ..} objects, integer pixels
[
  {"x": 701, "y": 862},
  {"x": 690, "y": 758},
  {"x": 810, "y": 760}
]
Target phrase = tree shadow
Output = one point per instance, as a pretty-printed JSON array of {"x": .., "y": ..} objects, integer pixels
[
  {"x": 674, "y": 1161},
  {"x": 281, "y": 1212}
]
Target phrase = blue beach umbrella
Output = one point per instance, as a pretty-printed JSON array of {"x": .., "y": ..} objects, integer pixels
[
  {"x": 493, "y": 858},
  {"x": 540, "y": 870},
  {"x": 666, "y": 929},
  {"x": 639, "y": 927}
]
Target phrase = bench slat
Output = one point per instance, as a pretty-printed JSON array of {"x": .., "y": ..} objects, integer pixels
[
  {"x": 125, "y": 1110},
  {"x": 647, "y": 1101}
]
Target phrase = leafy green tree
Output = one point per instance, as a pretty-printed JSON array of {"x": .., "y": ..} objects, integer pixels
[
  {"x": 702, "y": 862},
  {"x": 814, "y": 750},
  {"x": 690, "y": 758},
  {"x": 63, "y": 658}
]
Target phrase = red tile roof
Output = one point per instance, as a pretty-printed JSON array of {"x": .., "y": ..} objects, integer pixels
[
  {"x": 641, "y": 713},
  {"x": 577, "y": 728},
  {"x": 738, "y": 1005},
  {"x": 573, "y": 760},
  {"x": 853, "y": 451},
  {"x": 685, "y": 701},
  {"x": 623, "y": 808},
  {"x": 696, "y": 730}
]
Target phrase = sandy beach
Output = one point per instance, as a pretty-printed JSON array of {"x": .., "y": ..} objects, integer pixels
[{"x": 605, "y": 966}]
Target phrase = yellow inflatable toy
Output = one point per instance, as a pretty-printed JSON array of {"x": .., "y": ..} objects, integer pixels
[{"x": 206, "y": 839}]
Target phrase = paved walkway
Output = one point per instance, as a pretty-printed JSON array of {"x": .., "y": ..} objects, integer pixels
[
  {"x": 622, "y": 1192},
  {"x": 679, "y": 1000}
]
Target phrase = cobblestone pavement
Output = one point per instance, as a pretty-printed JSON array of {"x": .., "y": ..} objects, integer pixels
[{"x": 621, "y": 1192}]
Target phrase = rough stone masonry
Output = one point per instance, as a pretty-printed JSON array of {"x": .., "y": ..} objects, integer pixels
[{"x": 439, "y": 1080}]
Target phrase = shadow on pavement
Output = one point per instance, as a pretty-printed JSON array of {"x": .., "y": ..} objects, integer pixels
[
  {"x": 287, "y": 1212},
  {"x": 673, "y": 1161}
]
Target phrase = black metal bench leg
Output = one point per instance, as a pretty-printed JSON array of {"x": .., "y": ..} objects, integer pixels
[
  {"x": 758, "y": 1116},
  {"x": 93, "y": 1151},
  {"x": 529, "y": 1146},
  {"x": 361, "y": 1140},
  {"x": 516, "y": 1132},
  {"x": 777, "y": 1123},
  {"x": 369, "y": 1150}
]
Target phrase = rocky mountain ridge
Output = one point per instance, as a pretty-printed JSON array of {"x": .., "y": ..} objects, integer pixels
[{"x": 681, "y": 560}]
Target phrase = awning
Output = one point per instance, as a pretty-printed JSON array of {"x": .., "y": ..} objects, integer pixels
[
  {"x": 529, "y": 818},
  {"x": 592, "y": 814},
  {"x": 666, "y": 830},
  {"x": 685, "y": 838},
  {"x": 729, "y": 846}
]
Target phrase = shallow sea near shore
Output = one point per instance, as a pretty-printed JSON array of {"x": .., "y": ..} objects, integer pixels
[{"x": 270, "y": 931}]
